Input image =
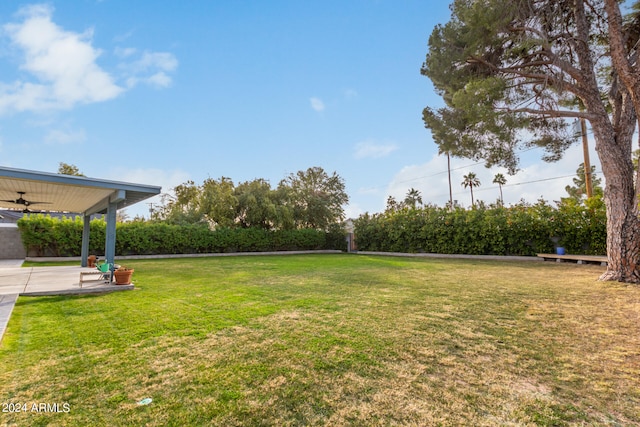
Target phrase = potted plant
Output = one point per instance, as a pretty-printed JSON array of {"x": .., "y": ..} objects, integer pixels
[
  {"x": 123, "y": 275},
  {"x": 91, "y": 260}
]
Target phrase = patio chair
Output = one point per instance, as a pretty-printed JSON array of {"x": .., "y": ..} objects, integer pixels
[
  {"x": 107, "y": 270},
  {"x": 104, "y": 271}
]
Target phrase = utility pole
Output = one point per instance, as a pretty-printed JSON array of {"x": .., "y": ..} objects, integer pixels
[
  {"x": 449, "y": 171},
  {"x": 587, "y": 163},
  {"x": 150, "y": 209}
]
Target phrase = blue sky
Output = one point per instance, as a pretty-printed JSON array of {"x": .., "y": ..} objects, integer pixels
[{"x": 152, "y": 93}]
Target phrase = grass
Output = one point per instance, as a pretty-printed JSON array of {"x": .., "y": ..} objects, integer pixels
[{"x": 331, "y": 340}]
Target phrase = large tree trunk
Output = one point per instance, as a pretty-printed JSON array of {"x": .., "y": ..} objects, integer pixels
[
  {"x": 613, "y": 131},
  {"x": 623, "y": 240},
  {"x": 623, "y": 226}
]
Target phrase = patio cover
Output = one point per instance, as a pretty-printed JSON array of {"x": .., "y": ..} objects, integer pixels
[{"x": 76, "y": 194}]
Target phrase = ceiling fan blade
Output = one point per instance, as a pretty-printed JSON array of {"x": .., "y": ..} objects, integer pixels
[
  {"x": 24, "y": 202},
  {"x": 29, "y": 203}
]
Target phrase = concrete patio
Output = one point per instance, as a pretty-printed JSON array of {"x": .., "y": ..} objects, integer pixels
[
  {"x": 16, "y": 281},
  {"x": 40, "y": 281}
]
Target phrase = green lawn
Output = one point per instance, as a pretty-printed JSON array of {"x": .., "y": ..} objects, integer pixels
[{"x": 331, "y": 340}]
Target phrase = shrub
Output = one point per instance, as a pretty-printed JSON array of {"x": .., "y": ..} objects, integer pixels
[
  {"x": 36, "y": 233},
  {"x": 46, "y": 236},
  {"x": 517, "y": 230}
]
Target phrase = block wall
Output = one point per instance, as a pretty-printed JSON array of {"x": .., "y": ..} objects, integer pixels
[{"x": 11, "y": 243}]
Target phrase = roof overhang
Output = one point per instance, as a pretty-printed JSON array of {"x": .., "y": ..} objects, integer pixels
[{"x": 67, "y": 193}]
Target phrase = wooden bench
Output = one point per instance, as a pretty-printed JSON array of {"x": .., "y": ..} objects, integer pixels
[
  {"x": 580, "y": 259},
  {"x": 84, "y": 274}
]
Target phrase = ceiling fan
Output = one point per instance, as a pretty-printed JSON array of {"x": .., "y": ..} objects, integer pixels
[{"x": 26, "y": 203}]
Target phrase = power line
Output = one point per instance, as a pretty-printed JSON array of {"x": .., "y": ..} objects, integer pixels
[
  {"x": 444, "y": 171},
  {"x": 589, "y": 132},
  {"x": 529, "y": 182},
  {"x": 478, "y": 190},
  {"x": 436, "y": 174}
]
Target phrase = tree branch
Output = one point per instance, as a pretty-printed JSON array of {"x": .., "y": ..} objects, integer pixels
[
  {"x": 629, "y": 76},
  {"x": 550, "y": 113},
  {"x": 520, "y": 71}
]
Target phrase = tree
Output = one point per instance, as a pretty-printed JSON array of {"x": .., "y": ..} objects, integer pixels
[
  {"x": 307, "y": 199},
  {"x": 218, "y": 203},
  {"x": 413, "y": 198},
  {"x": 256, "y": 204},
  {"x": 282, "y": 196},
  {"x": 392, "y": 204},
  {"x": 212, "y": 203},
  {"x": 578, "y": 192},
  {"x": 512, "y": 72},
  {"x": 183, "y": 207},
  {"x": 500, "y": 180},
  {"x": 67, "y": 169},
  {"x": 122, "y": 216},
  {"x": 317, "y": 198},
  {"x": 471, "y": 180}
]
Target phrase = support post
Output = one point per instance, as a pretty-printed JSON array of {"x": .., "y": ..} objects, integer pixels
[
  {"x": 110, "y": 240},
  {"x": 84, "y": 251}
]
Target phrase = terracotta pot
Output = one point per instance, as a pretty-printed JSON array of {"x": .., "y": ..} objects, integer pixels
[
  {"x": 123, "y": 277},
  {"x": 91, "y": 261}
]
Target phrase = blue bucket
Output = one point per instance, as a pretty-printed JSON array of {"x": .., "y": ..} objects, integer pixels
[{"x": 560, "y": 250}]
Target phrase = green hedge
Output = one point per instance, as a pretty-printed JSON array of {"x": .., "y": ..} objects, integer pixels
[
  {"x": 517, "y": 230},
  {"x": 46, "y": 236}
]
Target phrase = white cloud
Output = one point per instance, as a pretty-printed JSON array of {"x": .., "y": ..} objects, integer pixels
[
  {"x": 162, "y": 60},
  {"x": 166, "y": 179},
  {"x": 371, "y": 149},
  {"x": 353, "y": 210},
  {"x": 125, "y": 52},
  {"x": 63, "y": 65},
  {"x": 57, "y": 136},
  {"x": 150, "y": 176},
  {"x": 534, "y": 181},
  {"x": 123, "y": 37},
  {"x": 317, "y": 104},
  {"x": 160, "y": 80},
  {"x": 150, "y": 68}
]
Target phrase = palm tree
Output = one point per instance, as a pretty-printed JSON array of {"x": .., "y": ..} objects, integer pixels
[
  {"x": 412, "y": 198},
  {"x": 471, "y": 180},
  {"x": 500, "y": 180}
]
